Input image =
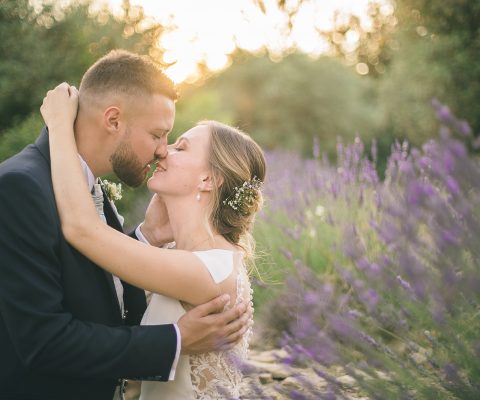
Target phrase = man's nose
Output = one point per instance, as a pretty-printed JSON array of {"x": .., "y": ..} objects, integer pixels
[{"x": 161, "y": 150}]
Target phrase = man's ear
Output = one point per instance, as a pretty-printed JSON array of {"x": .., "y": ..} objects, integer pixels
[
  {"x": 208, "y": 183},
  {"x": 112, "y": 120}
]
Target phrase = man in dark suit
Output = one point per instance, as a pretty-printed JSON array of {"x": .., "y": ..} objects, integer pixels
[{"x": 68, "y": 329}]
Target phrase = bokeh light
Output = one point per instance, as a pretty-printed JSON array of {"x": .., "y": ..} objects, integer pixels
[{"x": 209, "y": 31}]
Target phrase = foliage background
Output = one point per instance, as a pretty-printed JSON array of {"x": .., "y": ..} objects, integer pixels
[
  {"x": 306, "y": 112},
  {"x": 424, "y": 50}
]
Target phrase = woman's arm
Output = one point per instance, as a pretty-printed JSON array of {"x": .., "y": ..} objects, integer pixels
[{"x": 174, "y": 273}]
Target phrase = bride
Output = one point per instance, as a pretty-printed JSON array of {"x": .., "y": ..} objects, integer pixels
[{"x": 209, "y": 188}]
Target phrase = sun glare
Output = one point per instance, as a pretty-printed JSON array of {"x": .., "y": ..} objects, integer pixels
[{"x": 208, "y": 31}]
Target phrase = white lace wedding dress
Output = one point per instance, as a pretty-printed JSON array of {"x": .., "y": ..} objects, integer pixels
[{"x": 215, "y": 375}]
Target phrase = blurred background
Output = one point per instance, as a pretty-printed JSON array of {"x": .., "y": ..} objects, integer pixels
[
  {"x": 367, "y": 250},
  {"x": 287, "y": 72}
]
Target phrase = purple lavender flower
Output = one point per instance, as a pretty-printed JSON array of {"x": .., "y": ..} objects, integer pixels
[
  {"x": 402, "y": 261},
  {"x": 405, "y": 284},
  {"x": 286, "y": 253},
  {"x": 452, "y": 186},
  {"x": 371, "y": 298},
  {"x": 444, "y": 114},
  {"x": 464, "y": 128},
  {"x": 457, "y": 149}
]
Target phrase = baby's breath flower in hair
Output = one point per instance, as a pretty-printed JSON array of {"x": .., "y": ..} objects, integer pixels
[{"x": 244, "y": 197}]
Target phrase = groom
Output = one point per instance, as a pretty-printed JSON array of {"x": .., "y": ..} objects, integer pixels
[{"x": 68, "y": 329}]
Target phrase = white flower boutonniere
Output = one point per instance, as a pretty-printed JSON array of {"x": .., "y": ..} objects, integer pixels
[{"x": 112, "y": 189}]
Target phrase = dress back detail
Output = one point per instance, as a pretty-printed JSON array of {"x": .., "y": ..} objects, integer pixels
[{"x": 206, "y": 376}]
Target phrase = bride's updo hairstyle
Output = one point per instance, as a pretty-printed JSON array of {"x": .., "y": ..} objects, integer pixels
[{"x": 236, "y": 161}]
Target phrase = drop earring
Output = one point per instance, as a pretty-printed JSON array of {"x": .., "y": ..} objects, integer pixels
[{"x": 198, "y": 196}]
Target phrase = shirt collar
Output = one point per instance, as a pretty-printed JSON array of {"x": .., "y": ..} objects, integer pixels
[{"x": 88, "y": 173}]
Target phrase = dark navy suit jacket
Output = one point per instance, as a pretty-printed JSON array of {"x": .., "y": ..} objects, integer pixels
[{"x": 62, "y": 335}]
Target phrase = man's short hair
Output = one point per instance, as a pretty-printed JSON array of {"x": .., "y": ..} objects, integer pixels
[{"x": 123, "y": 72}]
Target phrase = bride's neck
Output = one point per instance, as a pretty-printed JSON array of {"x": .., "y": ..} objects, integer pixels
[{"x": 191, "y": 227}]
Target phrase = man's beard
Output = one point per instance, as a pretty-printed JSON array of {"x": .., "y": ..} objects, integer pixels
[{"x": 126, "y": 165}]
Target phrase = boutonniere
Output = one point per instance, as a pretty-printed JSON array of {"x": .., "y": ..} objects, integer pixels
[{"x": 112, "y": 190}]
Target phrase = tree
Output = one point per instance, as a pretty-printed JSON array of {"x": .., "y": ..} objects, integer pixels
[
  {"x": 452, "y": 30},
  {"x": 288, "y": 104},
  {"x": 41, "y": 48},
  {"x": 419, "y": 50}
]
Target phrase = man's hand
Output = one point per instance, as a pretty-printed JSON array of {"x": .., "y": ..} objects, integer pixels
[
  {"x": 205, "y": 328},
  {"x": 156, "y": 227}
]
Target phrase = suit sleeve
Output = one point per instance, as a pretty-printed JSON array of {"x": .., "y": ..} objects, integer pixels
[{"x": 45, "y": 336}]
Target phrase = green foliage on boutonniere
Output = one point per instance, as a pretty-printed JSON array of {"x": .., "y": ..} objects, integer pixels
[{"x": 112, "y": 189}]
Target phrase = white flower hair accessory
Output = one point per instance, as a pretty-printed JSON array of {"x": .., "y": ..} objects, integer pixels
[
  {"x": 112, "y": 190},
  {"x": 244, "y": 196}
]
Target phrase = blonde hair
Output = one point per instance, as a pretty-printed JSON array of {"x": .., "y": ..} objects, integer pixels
[{"x": 235, "y": 158}]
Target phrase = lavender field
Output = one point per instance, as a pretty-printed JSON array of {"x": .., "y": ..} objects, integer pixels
[{"x": 379, "y": 276}]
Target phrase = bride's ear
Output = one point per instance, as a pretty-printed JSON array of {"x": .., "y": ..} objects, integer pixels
[{"x": 208, "y": 183}]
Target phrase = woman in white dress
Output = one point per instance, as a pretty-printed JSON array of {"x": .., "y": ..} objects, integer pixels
[{"x": 209, "y": 185}]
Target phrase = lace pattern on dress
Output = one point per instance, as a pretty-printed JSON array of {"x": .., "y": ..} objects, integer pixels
[{"x": 217, "y": 375}]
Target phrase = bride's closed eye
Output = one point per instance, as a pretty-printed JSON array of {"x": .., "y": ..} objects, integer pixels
[{"x": 179, "y": 145}]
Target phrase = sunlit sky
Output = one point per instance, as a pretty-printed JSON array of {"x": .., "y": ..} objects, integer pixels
[{"x": 210, "y": 30}]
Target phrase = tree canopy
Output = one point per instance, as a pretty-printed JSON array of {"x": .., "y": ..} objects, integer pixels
[
  {"x": 42, "y": 47},
  {"x": 415, "y": 52}
]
